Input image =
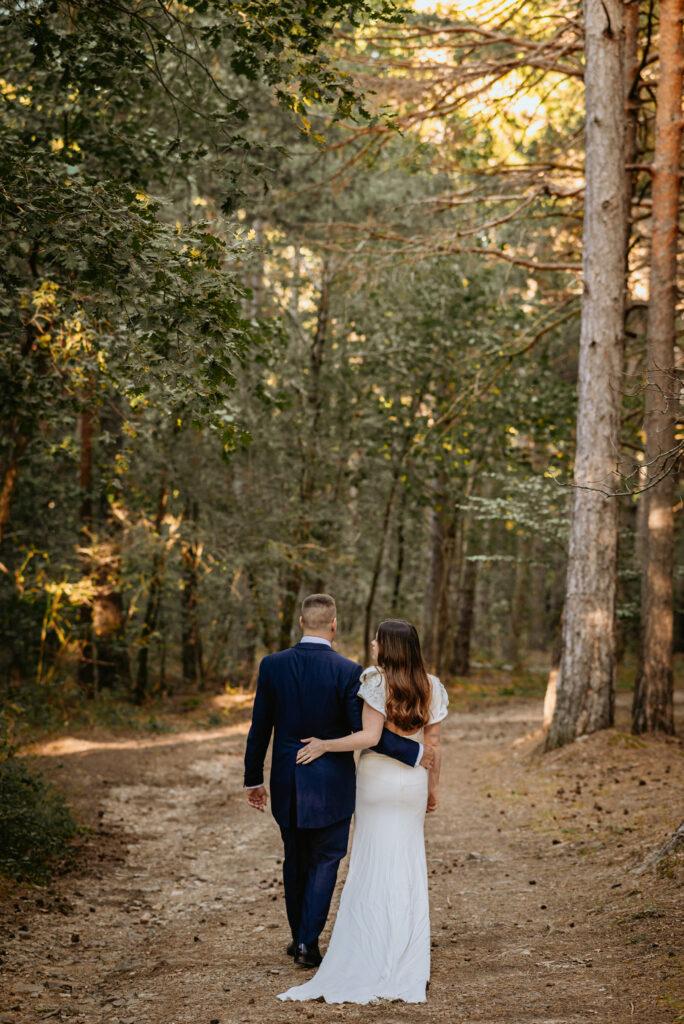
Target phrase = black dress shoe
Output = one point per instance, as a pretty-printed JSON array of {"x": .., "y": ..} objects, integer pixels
[
  {"x": 308, "y": 956},
  {"x": 292, "y": 948}
]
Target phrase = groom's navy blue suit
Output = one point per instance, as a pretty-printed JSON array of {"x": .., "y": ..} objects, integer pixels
[{"x": 310, "y": 690}]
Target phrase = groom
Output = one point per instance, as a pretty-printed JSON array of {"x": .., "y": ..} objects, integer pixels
[{"x": 310, "y": 690}]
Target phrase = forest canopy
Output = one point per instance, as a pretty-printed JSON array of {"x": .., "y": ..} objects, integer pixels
[{"x": 295, "y": 299}]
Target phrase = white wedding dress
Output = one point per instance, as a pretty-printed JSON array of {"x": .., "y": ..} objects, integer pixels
[{"x": 380, "y": 943}]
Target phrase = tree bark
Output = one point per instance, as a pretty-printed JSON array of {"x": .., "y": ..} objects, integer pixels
[
  {"x": 515, "y": 642},
  {"x": 109, "y": 621},
  {"x": 585, "y": 688},
  {"x": 153, "y": 598},
  {"x": 631, "y": 76},
  {"x": 465, "y": 618},
  {"x": 401, "y": 552},
  {"x": 377, "y": 567},
  {"x": 652, "y": 709},
  {"x": 112, "y": 665},
  {"x": 86, "y": 660},
  {"x": 552, "y": 681},
  {"x": 293, "y": 582},
  {"x": 314, "y": 397},
  {"x": 191, "y": 639},
  {"x": 435, "y": 586},
  {"x": 9, "y": 480},
  {"x": 444, "y": 609}
]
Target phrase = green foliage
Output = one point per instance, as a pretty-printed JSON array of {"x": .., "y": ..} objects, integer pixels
[
  {"x": 36, "y": 826},
  {"x": 297, "y": 362}
]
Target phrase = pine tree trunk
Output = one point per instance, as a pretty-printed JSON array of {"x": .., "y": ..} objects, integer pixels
[
  {"x": 109, "y": 620},
  {"x": 552, "y": 681},
  {"x": 293, "y": 582},
  {"x": 86, "y": 668},
  {"x": 153, "y": 599},
  {"x": 631, "y": 76},
  {"x": 515, "y": 636},
  {"x": 314, "y": 397},
  {"x": 377, "y": 567},
  {"x": 112, "y": 665},
  {"x": 652, "y": 709},
  {"x": 444, "y": 609},
  {"x": 191, "y": 640},
  {"x": 465, "y": 618},
  {"x": 401, "y": 552},
  {"x": 9, "y": 480},
  {"x": 585, "y": 689},
  {"x": 435, "y": 587}
]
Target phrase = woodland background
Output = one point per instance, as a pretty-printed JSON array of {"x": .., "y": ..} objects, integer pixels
[{"x": 292, "y": 301}]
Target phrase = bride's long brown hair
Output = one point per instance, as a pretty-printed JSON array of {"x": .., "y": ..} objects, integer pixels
[{"x": 408, "y": 686}]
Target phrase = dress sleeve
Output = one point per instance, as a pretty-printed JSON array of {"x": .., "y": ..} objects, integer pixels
[
  {"x": 372, "y": 689},
  {"x": 439, "y": 701}
]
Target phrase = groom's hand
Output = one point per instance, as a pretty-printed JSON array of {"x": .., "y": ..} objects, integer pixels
[
  {"x": 257, "y": 798},
  {"x": 428, "y": 758}
]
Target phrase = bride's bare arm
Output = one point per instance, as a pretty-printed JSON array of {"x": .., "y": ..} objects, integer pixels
[
  {"x": 432, "y": 741},
  {"x": 372, "y": 722}
]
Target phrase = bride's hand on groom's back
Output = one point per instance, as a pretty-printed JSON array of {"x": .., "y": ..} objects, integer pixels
[{"x": 314, "y": 748}]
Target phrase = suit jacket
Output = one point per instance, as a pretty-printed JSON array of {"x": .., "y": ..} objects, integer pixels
[{"x": 310, "y": 690}]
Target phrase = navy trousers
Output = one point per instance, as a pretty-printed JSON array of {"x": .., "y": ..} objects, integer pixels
[{"x": 312, "y": 857}]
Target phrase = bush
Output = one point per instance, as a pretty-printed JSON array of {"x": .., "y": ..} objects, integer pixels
[{"x": 36, "y": 825}]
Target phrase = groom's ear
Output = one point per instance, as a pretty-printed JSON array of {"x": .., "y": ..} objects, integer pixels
[
  {"x": 333, "y": 625},
  {"x": 301, "y": 622}
]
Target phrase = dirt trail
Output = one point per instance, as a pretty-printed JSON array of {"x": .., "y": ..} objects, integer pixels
[{"x": 536, "y": 918}]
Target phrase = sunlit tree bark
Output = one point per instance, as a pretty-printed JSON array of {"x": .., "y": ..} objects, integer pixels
[
  {"x": 585, "y": 688},
  {"x": 151, "y": 619},
  {"x": 86, "y": 673},
  {"x": 652, "y": 707}
]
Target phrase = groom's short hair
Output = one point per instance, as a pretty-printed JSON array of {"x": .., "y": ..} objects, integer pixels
[{"x": 318, "y": 610}]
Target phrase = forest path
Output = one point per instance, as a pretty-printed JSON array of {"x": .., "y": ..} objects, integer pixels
[{"x": 178, "y": 916}]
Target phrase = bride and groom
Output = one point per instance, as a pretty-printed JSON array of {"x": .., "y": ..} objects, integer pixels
[{"x": 321, "y": 707}]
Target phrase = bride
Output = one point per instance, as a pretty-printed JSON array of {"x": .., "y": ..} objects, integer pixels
[{"x": 380, "y": 944}]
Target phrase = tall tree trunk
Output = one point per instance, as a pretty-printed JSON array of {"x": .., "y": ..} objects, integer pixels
[
  {"x": 401, "y": 553},
  {"x": 631, "y": 76},
  {"x": 85, "y": 672},
  {"x": 112, "y": 665},
  {"x": 435, "y": 586},
  {"x": 552, "y": 683},
  {"x": 400, "y": 459},
  {"x": 9, "y": 480},
  {"x": 537, "y": 596},
  {"x": 465, "y": 618},
  {"x": 314, "y": 398},
  {"x": 153, "y": 598},
  {"x": 555, "y": 621},
  {"x": 585, "y": 689},
  {"x": 109, "y": 620},
  {"x": 515, "y": 642},
  {"x": 293, "y": 582},
  {"x": 444, "y": 608},
  {"x": 377, "y": 566},
  {"x": 652, "y": 709},
  {"x": 191, "y": 640},
  {"x": 248, "y": 645}
]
